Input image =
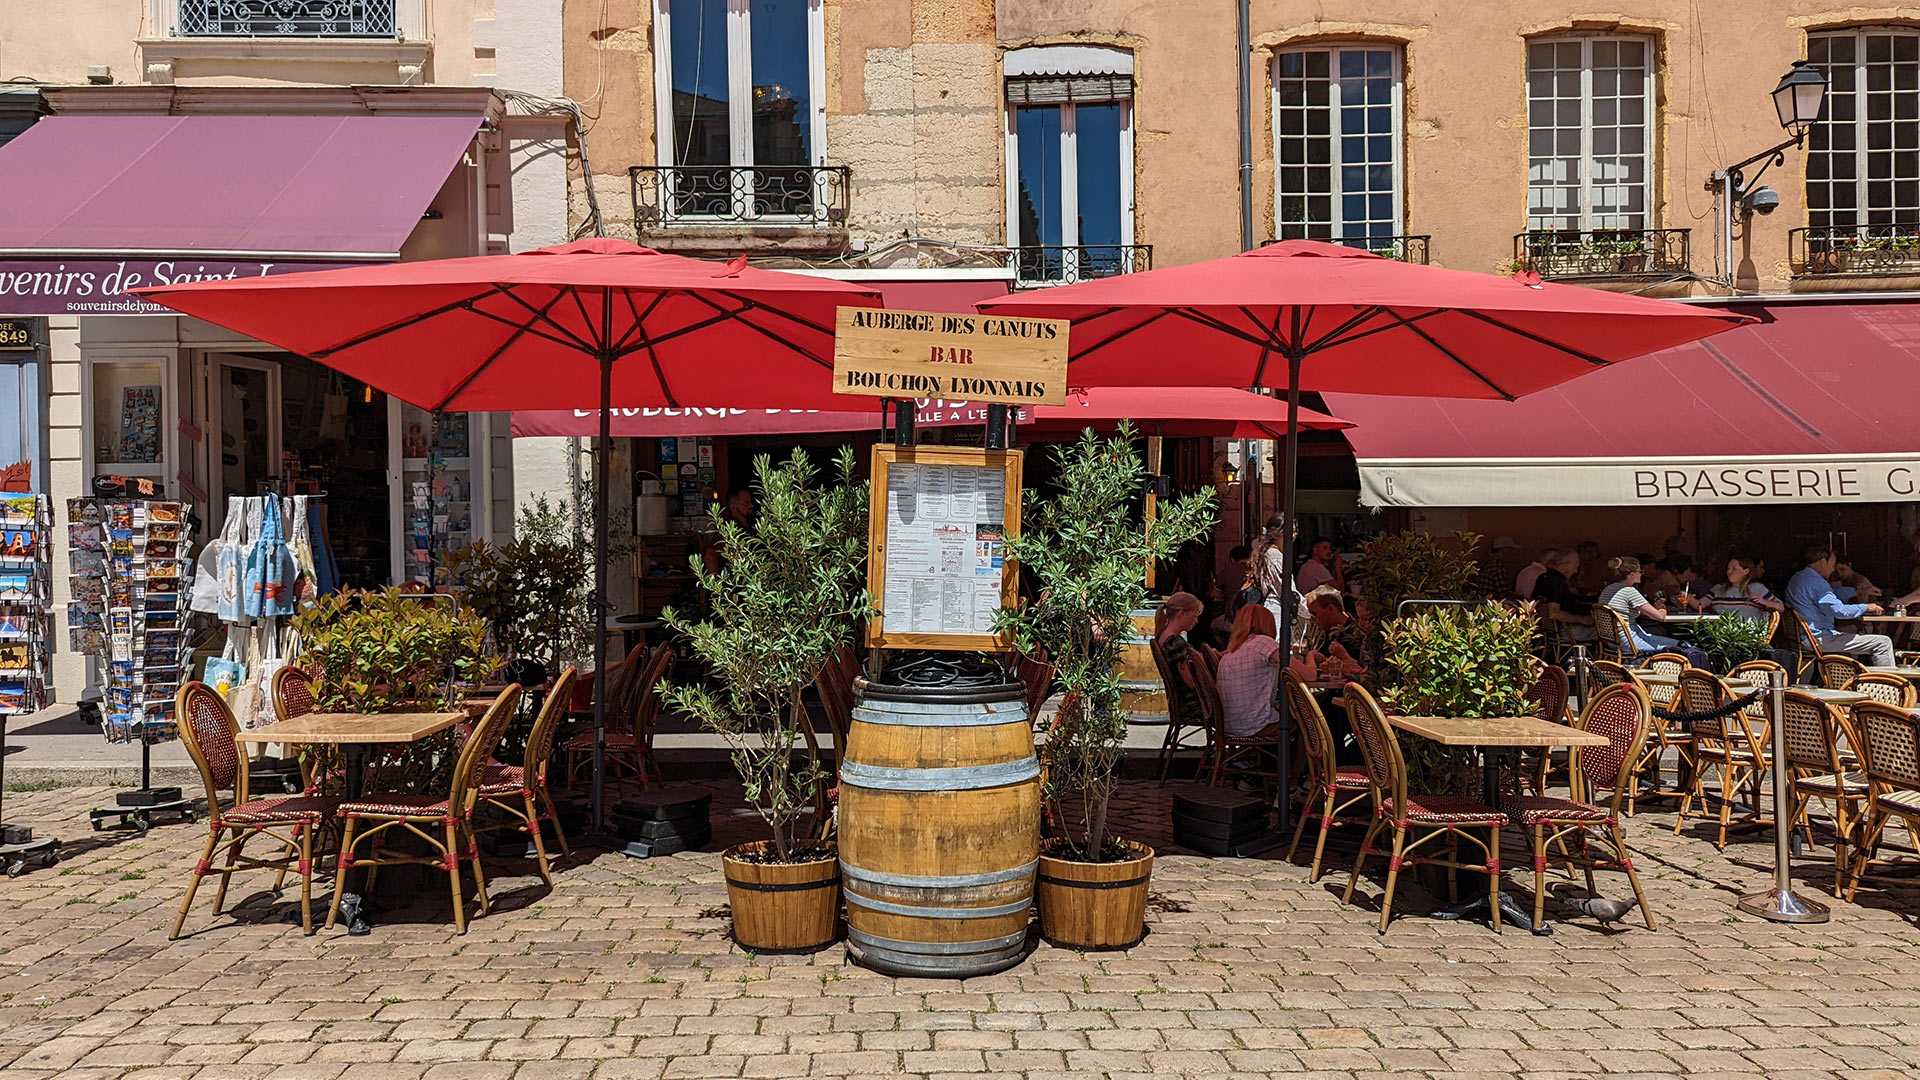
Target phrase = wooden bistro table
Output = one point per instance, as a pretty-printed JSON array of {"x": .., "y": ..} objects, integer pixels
[
  {"x": 359, "y": 736},
  {"x": 1497, "y": 739}
]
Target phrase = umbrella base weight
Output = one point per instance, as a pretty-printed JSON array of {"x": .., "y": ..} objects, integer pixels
[
  {"x": 16, "y": 857},
  {"x": 1784, "y": 905},
  {"x": 12, "y": 835},
  {"x": 148, "y": 798},
  {"x": 141, "y": 817}
]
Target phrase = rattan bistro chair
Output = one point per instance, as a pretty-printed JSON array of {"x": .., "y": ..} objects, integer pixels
[
  {"x": 444, "y": 823},
  {"x": 1805, "y": 646},
  {"x": 1838, "y": 670},
  {"x": 1424, "y": 818},
  {"x": 1181, "y": 728},
  {"x": 1814, "y": 771},
  {"x": 1887, "y": 688},
  {"x": 1329, "y": 789},
  {"x": 208, "y": 728},
  {"x": 1610, "y": 641},
  {"x": 1735, "y": 745},
  {"x": 520, "y": 791},
  {"x": 1623, "y": 714},
  {"x": 629, "y": 746},
  {"x": 1889, "y": 744}
]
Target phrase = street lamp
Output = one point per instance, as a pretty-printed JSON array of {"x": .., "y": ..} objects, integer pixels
[{"x": 1797, "y": 100}]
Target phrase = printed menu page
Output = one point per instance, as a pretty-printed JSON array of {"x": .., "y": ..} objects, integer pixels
[{"x": 944, "y": 548}]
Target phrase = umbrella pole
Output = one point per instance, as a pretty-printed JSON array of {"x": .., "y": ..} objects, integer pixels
[
  {"x": 602, "y": 473},
  {"x": 1288, "y": 471}
]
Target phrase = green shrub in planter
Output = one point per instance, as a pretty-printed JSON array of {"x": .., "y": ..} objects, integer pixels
[
  {"x": 1730, "y": 640},
  {"x": 1409, "y": 566},
  {"x": 1458, "y": 661}
]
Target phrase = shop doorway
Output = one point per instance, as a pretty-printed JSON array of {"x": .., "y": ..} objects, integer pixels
[{"x": 278, "y": 421}]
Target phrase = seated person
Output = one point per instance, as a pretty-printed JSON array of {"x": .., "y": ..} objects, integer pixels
[
  {"x": 1852, "y": 586},
  {"x": 1553, "y": 594},
  {"x": 1250, "y": 674},
  {"x": 1326, "y": 615},
  {"x": 1322, "y": 567},
  {"x": 1743, "y": 596},
  {"x": 1813, "y": 599},
  {"x": 1178, "y": 614},
  {"x": 1624, "y": 596},
  {"x": 1664, "y": 576},
  {"x": 1228, "y": 582}
]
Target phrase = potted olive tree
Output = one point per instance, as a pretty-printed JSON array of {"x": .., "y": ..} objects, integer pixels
[
  {"x": 1086, "y": 549},
  {"x": 789, "y": 591}
]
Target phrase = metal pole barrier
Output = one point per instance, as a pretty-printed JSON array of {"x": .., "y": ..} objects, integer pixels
[
  {"x": 1780, "y": 903},
  {"x": 1580, "y": 680}
]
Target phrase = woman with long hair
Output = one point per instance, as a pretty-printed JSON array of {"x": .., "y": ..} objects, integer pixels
[
  {"x": 1268, "y": 569},
  {"x": 1742, "y": 594},
  {"x": 1249, "y": 673},
  {"x": 1625, "y": 598},
  {"x": 1176, "y": 615}
]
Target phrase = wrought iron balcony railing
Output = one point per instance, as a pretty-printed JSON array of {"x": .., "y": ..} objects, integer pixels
[
  {"x": 1410, "y": 249},
  {"x": 1054, "y": 265},
  {"x": 1855, "y": 249},
  {"x": 286, "y": 18},
  {"x": 1603, "y": 253},
  {"x": 668, "y": 195}
]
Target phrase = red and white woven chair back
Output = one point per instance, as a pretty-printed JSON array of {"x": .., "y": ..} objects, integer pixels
[
  {"x": 1378, "y": 746},
  {"x": 1549, "y": 694},
  {"x": 293, "y": 692},
  {"x": 1621, "y": 713},
  {"x": 208, "y": 728}
]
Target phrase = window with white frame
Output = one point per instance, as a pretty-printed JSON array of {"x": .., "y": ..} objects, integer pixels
[
  {"x": 739, "y": 92},
  {"x": 1070, "y": 163},
  {"x": 1589, "y": 133},
  {"x": 1336, "y": 138},
  {"x": 1863, "y": 157}
]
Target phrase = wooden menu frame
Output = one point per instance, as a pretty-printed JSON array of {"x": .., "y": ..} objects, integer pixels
[{"x": 885, "y": 457}]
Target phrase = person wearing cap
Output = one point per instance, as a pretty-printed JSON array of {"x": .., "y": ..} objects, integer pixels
[{"x": 1495, "y": 579}]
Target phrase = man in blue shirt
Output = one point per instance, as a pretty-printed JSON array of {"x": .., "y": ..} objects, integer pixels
[{"x": 1813, "y": 598}]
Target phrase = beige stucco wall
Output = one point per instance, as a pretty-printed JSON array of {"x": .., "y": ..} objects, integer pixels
[
  {"x": 913, "y": 107},
  {"x": 56, "y": 41},
  {"x": 1465, "y": 119}
]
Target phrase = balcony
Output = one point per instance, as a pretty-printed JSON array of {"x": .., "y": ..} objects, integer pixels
[
  {"x": 1407, "y": 249},
  {"x": 1040, "y": 265},
  {"x": 289, "y": 18},
  {"x": 1603, "y": 253},
  {"x": 1855, "y": 250},
  {"x": 763, "y": 209}
]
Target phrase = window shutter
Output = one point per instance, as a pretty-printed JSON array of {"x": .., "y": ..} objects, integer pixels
[{"x": 1067, "y": 89}]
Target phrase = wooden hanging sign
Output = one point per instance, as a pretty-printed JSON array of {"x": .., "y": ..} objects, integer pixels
[{"x": 932, "y": 354}]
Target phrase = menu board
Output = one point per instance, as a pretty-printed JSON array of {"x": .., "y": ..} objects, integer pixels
[{"x": 938, "y": 569}]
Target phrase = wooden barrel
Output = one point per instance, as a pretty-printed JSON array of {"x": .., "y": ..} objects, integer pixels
[
  {"x": 939, "y": 828},
  {"x": 1143, "y": 695}
]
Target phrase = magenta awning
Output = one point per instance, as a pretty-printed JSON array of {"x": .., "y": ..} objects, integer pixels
[
  {"x": 1812, "y": 404},
  {"x": 94, "y": 205}
]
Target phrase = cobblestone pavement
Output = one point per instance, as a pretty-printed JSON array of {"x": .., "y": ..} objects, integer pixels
[{"x": 625, "y": 969}]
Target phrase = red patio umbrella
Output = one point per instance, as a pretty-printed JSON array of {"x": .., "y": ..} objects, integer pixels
[
  {"x": 597, "y": 320},
  {"x": 1306, "y": 315},
  {"x": 1170, "y": 411}
]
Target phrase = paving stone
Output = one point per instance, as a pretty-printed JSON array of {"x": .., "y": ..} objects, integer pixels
[{"x": 624, "y": 971}]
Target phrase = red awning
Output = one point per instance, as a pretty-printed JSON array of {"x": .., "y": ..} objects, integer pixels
[
  {"x": 1816, "y": 402},
  {"x": 325, "y": 187}
]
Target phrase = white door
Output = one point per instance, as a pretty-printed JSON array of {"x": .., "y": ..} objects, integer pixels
[{"x": 243, "y": 436}]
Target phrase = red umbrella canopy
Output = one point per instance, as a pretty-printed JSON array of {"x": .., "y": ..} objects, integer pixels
[
  {"x": 1177, "y": 410},
  {"x": 528, "y": 331},
  {"x": 1356, "y": 322},
  {"x": 1183, "y": 410}
]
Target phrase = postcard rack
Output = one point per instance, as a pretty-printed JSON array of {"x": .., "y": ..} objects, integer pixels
[
  {"x": 26, "y": 601},
  {"x": 129, "y": 572}
]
